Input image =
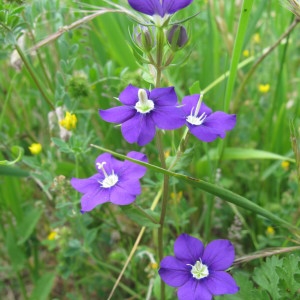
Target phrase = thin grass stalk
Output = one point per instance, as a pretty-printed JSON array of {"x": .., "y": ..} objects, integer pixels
[{"x": 34, "y": 77}]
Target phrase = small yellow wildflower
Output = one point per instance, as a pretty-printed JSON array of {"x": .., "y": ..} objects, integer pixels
[
  {"x": 154, "y": 265},
  {"x": 270, "y": 231},
  {"x": 246, "y": 53},
  {"x": 285, "y": 165},
  {"x": 264, "y": 88},
  {"x": 52, "y": 235},
  {"x": 176, "y": 197},
  {"x": 69, "y": 122},
  {"x": 35, "y": 148},
  {"x": 256, "y": 38},
  {"x": 167, "y": 153}
]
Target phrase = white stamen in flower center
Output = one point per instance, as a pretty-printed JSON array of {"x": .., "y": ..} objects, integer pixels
[
  {"x": 192, "y": 118},
  {"x": 144, "y": 105},
  {"x": 199, "y": 270},
  {"x": 109, "y": 180}
]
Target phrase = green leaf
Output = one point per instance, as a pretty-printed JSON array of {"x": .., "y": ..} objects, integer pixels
[
  {"x": 287, "y": 273},
  {"x": 43, "y": 287},
  {"x": 267, "y": 278},
  {"x": 245, "y": 154},
  {"x": 12, "y": 171},
  {"x": 142, "y": 217},
  {"x": 28, "y": 224},
  {"x": 62, "y": 145}
]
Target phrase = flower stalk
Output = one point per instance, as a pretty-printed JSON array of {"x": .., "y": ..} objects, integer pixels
[{"x": 34, "y": 77}]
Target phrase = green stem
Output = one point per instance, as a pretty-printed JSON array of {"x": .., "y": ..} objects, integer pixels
[
  {"x": 159, "y": 55},
  {"x": 165, "y": 196},
  {"x": 34, "y": 77}
]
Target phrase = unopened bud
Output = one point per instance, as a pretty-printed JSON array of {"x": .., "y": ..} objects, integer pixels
[
  {"x": 144, "y": 38},
  {"x": 177, "y": 37}
]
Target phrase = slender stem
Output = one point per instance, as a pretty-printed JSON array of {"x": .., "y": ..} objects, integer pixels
[
  {"x": 159, "y": 55},
  {"x": 34, "y": 77},
  {"x": 165, "y": 196}
]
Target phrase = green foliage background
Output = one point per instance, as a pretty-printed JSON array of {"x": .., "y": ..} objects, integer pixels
[{"x": 83, "y": 70}]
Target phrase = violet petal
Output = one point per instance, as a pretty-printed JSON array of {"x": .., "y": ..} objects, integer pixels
[
  {"x": 171, "y": 6},
  {"x": 220, "y": 121},
  {"x": 109, "y": 163},
  {"x": 132, "y": 170},
  {"x": 120, "y": 196},
  {"x": 129, "y": 96},
  {"x": 218, "y": 255},
  {"x": 164, "y": 96},
  {"x": 93, "y": 198},
  {"x": 189, "y": 103},
  {"x": 220, "y": 283},
  {"x": 117, "y": 114},
  {"x": 131, "y": 186},
  {"x": 84, "y": 185},
  {"x": 148, "y": 7},
  {"x": 204, "y": 133},
  {"x": 139, "y": 129},
  {"x": 188, "y": 249},
  {"x": 168, "y": 117},
  {"x": 193, "y": 290},
  {"x": 174, "y": 272}
]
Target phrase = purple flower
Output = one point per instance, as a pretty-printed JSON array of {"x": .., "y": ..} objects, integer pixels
[
  {"x": 143, "y": 111},
  {"x": 203, "y": 123},
  {"x": 116, "y": 181},
  {"x": 198, "y": 272},
  {"x": 159, "y": 7}
]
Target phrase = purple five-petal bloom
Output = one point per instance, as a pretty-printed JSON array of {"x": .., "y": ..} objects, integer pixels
[
  {"x": 116, "y": 181},
  {"x": 159, "y": 7},
  {"x": 143, "y": 111},
  {"x": 203, "y": 123},
  {"x": 197, "y": 271}
]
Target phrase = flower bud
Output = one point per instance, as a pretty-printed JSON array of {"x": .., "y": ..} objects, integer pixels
[
  {"x": 177, "y": 37},
  {"x": 144, "y": 38}
]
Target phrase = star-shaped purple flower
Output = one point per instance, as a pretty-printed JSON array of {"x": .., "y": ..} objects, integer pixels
[
  {"x": 116, "y": 181},
  {"x": 143, "y": 111},
  {"x": 197, "y": 271},
  {"x": 159, "y": 7},
  {"x": 203, "y": 123}
]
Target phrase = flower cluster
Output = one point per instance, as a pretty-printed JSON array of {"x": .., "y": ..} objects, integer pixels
[
  {"x": 143, "y": 111},
  {"x": 197, "y": 271}
]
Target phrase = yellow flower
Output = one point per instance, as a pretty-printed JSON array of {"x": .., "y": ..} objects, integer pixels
[
  {"x": 35, "y": 148},
  {"x": 246, "y": 53},
  {"x": 270, "y": 230},
  {"x": 52, "y": 235},
  {"x": 285, "y": 165},
  {"x": 264, "y": 88},
  {"x": 167, "y": 153},
  {"x": 69, "y": 122},
  {"x": 256, "y": 38},
  {"x": 153, "y": 265},
  {"x": 176, "y": 197}
]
